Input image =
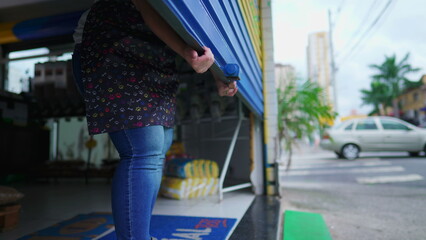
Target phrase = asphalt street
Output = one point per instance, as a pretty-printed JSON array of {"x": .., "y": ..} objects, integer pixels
[{"x": 378, "y": 196}]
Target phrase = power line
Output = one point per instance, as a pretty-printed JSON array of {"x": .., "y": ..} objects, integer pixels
[
  {"x": 379, "y": 24},
  {"x": 367, "y": 31},
  {"x": 360, "y": 27}
]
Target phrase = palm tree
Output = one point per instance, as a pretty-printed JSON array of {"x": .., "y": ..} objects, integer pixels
[
  {"x": 393, "y": 74},
  {"x": 378, "y": 96},
  {"x": 301, "y": 111}
]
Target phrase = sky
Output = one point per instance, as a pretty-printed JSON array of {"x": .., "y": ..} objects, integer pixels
[{"x": 400, "y": 30}]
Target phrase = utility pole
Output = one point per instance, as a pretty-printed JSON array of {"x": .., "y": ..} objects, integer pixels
[{"x": 333, "y": 65}]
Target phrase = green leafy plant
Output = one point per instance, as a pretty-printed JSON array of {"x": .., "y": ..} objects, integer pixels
[
  {"x": 393, "y": 75},
  {"x": 378, "y": 96},
  {"x": 301, "y": 111}
]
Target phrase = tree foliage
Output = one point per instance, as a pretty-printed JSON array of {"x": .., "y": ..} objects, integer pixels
[
  {"x": 389, "y": 81},
  {"x": 301, "y": 111},
  {"x": 378, "y": 96}
]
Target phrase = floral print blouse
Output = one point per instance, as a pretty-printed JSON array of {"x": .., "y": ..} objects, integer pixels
[{"x": 128, "y": 73}]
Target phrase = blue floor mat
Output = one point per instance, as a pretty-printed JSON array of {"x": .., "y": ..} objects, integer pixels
[{"x": 100, "y": 226}]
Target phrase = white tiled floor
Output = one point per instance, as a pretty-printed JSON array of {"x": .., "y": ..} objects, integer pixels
[{"x": 47, "y": 204}]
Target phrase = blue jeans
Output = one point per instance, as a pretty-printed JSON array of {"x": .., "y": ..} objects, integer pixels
[{"x": 137, "y": 178}]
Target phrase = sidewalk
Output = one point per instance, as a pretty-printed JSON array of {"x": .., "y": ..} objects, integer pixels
[
  {"x": 296, "y": 222},
  {"x": 304, "y": 154}
]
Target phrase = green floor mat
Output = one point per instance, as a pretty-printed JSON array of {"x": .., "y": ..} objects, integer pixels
[{"x": 304, "y": 226}]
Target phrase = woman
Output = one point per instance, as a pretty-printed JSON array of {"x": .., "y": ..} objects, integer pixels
[{"x": 129, "y": 84}]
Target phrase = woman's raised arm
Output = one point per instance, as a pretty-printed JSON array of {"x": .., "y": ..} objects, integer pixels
[{"x": 163, "y": 31}]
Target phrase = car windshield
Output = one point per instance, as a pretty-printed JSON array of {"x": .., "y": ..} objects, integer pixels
[
  {"x": 342, "y": 124},
  {"x": 349, "y": 127},
  {"x": 337, "y": 126},
  {"x": 366, "y": 124}
]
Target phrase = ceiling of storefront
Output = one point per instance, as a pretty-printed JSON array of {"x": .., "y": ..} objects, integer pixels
[{"x": 18, "y": 10}]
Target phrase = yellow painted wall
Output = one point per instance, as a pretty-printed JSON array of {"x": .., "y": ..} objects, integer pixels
[
  {"x": 408, "y": 99},
  {"x": 250, "y": 10},
  {"x": 409, "y": 102}
]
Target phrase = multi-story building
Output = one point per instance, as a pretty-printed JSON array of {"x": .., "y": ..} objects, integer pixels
[
  {"x": 284, "y": 75},
  {"x": 319, "y": 70},
  {"x": 412, "y": 104}
]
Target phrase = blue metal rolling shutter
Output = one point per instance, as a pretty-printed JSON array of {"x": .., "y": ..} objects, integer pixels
[{"x": 220, "y": 26}]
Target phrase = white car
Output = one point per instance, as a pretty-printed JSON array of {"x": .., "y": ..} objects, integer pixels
[{"x": 371, "y": 134}]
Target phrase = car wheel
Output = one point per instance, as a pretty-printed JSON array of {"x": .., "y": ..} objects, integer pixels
[
  {"x": 350, "y": 151},
  {"x": 413, "y": 154},
  {"x": 339, "y": 155}
]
